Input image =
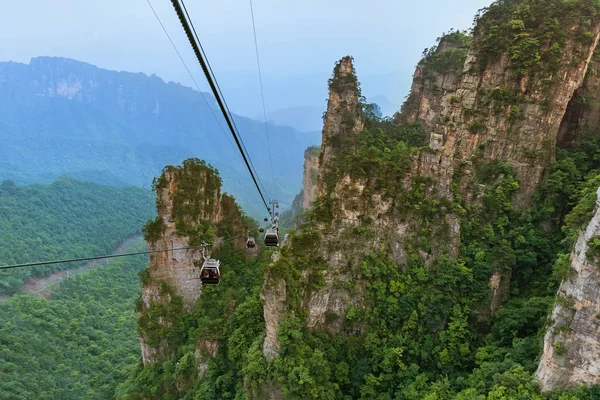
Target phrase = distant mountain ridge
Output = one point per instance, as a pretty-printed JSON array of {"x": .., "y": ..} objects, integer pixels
[{"x": 61, "y": 116}]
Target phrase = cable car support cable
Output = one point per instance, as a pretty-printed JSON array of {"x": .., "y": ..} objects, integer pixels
[
  {"x": 220, "y": 102},
  {"x": 189, "y": 19},
  {"x": 71, "y": 260},
  {"x": 190, "y": 74},
  {"x": 262, "y": 94}
]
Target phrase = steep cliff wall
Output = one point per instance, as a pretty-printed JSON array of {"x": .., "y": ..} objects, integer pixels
[
  {"x": 508, "y": 100},
  {"x": 489, "y": 110},
  {"x": 515, "y": 94},
  {"x": 191, "y": 210},
  {"x": 310, "y": 178},
  {"x": 583, "y": 112},
  {"x": 343, "y": 119},
  {"x": 572, "y": 342}
]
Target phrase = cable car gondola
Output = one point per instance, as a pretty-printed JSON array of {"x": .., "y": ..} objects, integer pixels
[
  {"x": 250, "y": 243},
  {"x": 210, "y": 273},
  {"x": 272, "y": 238}
]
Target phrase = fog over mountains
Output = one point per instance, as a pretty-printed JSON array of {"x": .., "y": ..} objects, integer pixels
[{"x": 60, "y": 116}]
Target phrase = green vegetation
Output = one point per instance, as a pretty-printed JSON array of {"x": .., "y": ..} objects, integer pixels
[
  {"x": 449, "y": 54},
  {"x": 66, "y": 219},
  {"x": 425, "y": 332},
  {"x": 194, "y": 202},
  {"x": 427, "y": 327},
  {"x": 421, "y": 331},
  {"x": 231, "y": 314},
  {"x": 476, "y": 126},
  {"x": 312, "y": 151},
  {"x": 80, "y": 344},
  {"x": 534, "y": 33},
  {"x": 514, "y": 113},
  {"x": 594, "y": 247},
  {"x": 340, "y": 82},
  {"x": 382, "y": 154}
]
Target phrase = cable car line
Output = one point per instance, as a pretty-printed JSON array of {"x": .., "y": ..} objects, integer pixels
[
  {"x": 189, "y": 18},
  {"x": 32, "y": 264},
  {"x": 195, "y": 47},
  {"x": 191, "y": 76},
  {"x": 37, "y": 263},
  {"x": 262, "y": 94}
]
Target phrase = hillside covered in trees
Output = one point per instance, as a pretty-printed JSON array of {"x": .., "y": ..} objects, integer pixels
[
  {"x": 82, "y": 342},
  {"x": 451, "y": 252},
  {"x": 66, "y": 219},
  {"x": 79, "y": 345}
]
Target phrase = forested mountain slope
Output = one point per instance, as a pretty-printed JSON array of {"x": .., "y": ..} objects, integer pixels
[
  {"x": 66, "y": 219},
  {"x": 438, "y": 245},
  {"x": 80, "y": 344},
  {"x": 60, "y": 116}
]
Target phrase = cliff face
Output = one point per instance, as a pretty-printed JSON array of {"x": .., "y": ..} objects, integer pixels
[
  {"x": 191, "y": 209},
  {"x": 491, "y": 110},
  {"x": 485, "y": 110},
  {"x": 343, "y": 119},
  {"x": 502, "y": 103},
  {"x": 583, "y": 112},
  {"x": 342, "y": 122},
  {"x": 572, "y": 342},
  {"x": 310, "y": 178}
]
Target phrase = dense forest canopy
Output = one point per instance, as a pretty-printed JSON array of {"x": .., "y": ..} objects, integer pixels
[
  {"x": 421, "y": 334},
  {"x": 80, "y": 344},
  {"x": 67, "y": 219}
]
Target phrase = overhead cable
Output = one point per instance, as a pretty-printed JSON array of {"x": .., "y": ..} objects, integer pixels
[
  {"x": 71, "y": 260},
  {"x": 214, "y": 78},
  {"x": 262, "y": 94},
  {"x": 190, "y": 74},
  {"x": 33, "y": 264},
  {"x": 199, "y": 56}
]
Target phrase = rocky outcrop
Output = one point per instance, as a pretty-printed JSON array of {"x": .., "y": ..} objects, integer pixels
[
  {"x": 572, "y": 342},
  {"x": 191, "y": 208},
  {"x": 583, "y": 112},
  {"x": 343, "y": 119},
  {"x": 477, "y": 108},
  {"x": 342, "y": 122},
  {"x": 487, "y": 108},
  {"x": 484, "y": 112},
  {"x": 310, "y": 179},
  {"x": 273, "y": 296},
  {"x": 205, "y": 351}
]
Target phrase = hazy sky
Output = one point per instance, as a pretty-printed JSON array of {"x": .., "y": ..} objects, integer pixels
[{"x": 295, "y": 37}]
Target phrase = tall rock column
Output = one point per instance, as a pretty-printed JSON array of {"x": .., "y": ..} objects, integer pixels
[
  {"x": 310, "y": 179},
  {"x": 480, "y": 102},
  {"x": 191, "y": 209},
  {"x": 342, "y": 121},
  {"x": 572, "y": 342}
]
